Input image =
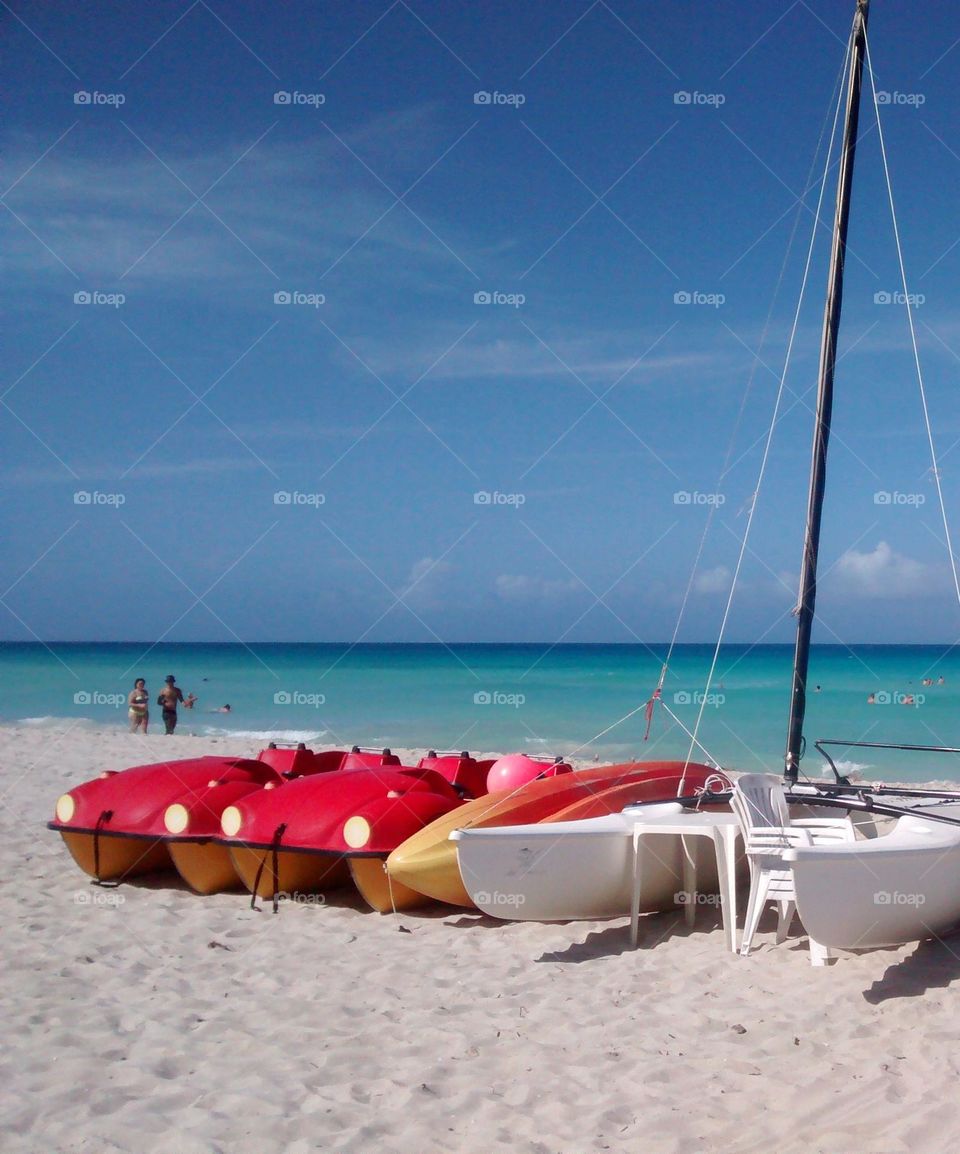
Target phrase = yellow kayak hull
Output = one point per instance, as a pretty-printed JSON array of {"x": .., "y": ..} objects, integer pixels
[
  {"x": 206, "y": 867},
  {"x": 379, "y": 890},
  {"x": 297, "y": 873},
  {"x": 117, "y": 858}
]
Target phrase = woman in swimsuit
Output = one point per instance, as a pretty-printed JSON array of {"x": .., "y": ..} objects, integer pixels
[{"x": 138, "y": 702}]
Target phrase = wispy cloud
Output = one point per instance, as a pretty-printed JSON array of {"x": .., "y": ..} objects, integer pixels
[
  {"x": 519, "y": 587},
  {"x": 716, "y": 580},
  {"x": 883, "y": 572},
  {"x": 209, "y": 466},
  {"x": 292, "y": 204}
]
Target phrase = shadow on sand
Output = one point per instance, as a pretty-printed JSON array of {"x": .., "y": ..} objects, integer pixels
[
  {"x": 934, "y": 964},
  {"x": 615, "y": 939}
]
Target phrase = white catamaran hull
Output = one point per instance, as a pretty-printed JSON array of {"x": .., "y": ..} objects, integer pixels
[
  {"x": 574, "y": 870},
  {"x": 901, "y": 887}
]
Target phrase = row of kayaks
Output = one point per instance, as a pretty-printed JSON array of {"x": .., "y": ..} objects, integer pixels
[{"x": 294, "y": 822}]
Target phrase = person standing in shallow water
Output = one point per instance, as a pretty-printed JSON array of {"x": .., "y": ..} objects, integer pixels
[
  {"x": 170, "y": 696},
  {"x": 138, "y": 702}
]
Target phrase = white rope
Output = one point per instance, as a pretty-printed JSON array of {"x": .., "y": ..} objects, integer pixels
[
  {"x": 604, "y": 732},
  {"x": 724, "y": 469},
  {"x": 627, "y": 716},
  {"x": 773, "y": 423},
  {"x": 693, "y": 741},
  {"x": 913, "y": 334}
]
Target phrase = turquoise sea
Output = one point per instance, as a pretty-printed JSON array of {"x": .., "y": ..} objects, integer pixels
[{"x": 533, "y": 698}]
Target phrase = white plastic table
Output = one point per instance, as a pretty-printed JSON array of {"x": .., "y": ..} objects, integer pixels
[{"x": 724, "y": 829}]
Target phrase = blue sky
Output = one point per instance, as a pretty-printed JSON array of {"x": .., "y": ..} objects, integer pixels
[{"x": 387, "y": 294}]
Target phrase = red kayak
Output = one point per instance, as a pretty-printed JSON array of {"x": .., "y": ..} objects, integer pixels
[
  {"x": 308, "y": 836},
  {"x": 157, "y": 817},
  {"x": 193, "y": 830},
  {"x": 113, "y": 826},
  {"x": 191, "y": 825}
]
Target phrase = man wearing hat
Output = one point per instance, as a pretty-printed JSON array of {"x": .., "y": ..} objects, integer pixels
[{"x": 167, "y": 700}]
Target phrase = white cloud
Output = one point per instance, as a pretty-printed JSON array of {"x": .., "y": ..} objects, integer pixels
[
  {"x": 715, "y": 580},
  {"x": 424, "y": 577},
  {"x": 518, "y": 587},
  {"x": 882, "y": 573},
  {"x": 104, "y": 215}
]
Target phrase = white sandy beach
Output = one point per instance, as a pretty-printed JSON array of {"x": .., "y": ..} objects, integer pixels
[{"x": 148, "y": 1020}]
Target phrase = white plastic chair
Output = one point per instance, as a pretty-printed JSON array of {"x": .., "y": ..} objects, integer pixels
[{"x": 761, "y": 808}]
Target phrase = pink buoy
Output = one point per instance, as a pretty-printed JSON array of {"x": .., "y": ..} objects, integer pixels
[{"x": 516, "y": 770}]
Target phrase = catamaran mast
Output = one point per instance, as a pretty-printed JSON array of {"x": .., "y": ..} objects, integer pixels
[{"x": 821, "y": 435}]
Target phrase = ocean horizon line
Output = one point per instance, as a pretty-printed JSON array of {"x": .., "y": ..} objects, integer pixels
[{"x": 949, "y": 644}]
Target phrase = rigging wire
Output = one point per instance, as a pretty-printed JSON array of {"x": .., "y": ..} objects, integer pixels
[
  {"x": 913, "y": 333},
  {"x": 657, "y": 693},
  {"x": 776, "y": 408}
]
